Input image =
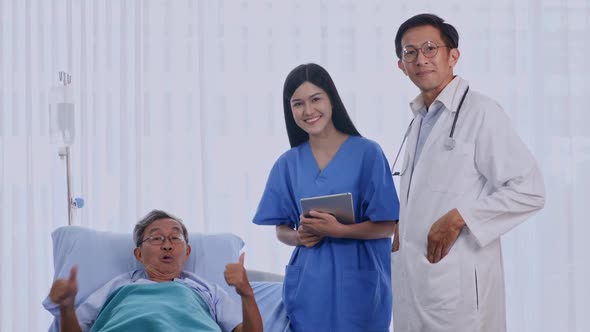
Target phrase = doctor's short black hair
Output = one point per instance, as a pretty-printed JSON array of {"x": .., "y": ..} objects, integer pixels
[
  {"x": 318, "y": 76},
  {"x": 448, "y": 32}
]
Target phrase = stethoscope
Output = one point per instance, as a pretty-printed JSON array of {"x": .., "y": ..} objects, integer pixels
[{"x": 449, "y": 142}]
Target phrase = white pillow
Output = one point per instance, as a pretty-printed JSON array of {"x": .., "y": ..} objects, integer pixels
[{"x": 101, "y": 256}]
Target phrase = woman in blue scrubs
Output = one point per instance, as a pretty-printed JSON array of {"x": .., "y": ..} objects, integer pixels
[{"x": 339, "y": 276}]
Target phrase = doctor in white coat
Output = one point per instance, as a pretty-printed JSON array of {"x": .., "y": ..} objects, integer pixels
[{"x": 467, "y": 178}]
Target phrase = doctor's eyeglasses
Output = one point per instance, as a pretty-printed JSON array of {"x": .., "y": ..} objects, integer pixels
[{"x": 429, "y": 49}]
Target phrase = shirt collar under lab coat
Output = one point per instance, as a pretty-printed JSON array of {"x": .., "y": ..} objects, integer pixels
[{"x": 446, "y": 97}]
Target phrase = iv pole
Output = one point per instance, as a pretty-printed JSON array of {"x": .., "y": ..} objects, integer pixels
[{"x": 64, "y": 153}]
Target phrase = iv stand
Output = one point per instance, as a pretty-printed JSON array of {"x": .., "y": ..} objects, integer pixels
[{"x": 64, "y": 153}]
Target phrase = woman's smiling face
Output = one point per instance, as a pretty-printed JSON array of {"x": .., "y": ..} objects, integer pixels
[{"x": 312, "y": 109}]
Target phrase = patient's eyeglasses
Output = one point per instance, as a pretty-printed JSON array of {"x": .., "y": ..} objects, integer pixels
[
  {"x": 428, "y": 49},
  {"x": 158, "y": 240}
]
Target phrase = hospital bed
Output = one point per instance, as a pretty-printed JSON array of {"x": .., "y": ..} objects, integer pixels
[{"x": 101, "y": 256}]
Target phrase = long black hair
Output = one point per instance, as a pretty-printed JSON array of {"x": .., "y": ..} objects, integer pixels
[{"x": 316, "y": 75}]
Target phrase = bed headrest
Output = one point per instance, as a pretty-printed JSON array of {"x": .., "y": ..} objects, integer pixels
[{"x": 101, "y": 256}]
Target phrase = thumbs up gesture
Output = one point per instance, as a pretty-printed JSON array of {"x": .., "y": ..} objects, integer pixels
[
  {"x": 235, "y": 275},
  {"x": 63, "y": 291}
]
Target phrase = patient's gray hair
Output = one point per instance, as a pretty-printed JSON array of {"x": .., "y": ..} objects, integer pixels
[{"x": 149, "y": 219}]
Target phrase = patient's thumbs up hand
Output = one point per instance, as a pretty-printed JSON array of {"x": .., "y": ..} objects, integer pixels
[
  {"x": 73, "y": 273},
  {"x": 235, "y": 275},
  {"x": 63, "y": 291}
]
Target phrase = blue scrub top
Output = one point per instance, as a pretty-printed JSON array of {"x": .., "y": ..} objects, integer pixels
[{"x": 339, "y": 284}]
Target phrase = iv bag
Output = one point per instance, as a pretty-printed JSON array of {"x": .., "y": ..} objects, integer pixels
[{"x": 62, "y": 128}]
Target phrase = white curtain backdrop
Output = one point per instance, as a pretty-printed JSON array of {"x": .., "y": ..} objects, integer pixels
[{"x": 179, "y": 107}]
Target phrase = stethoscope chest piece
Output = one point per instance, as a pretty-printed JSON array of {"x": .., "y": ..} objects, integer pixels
[{"x": 450, "y": 143}]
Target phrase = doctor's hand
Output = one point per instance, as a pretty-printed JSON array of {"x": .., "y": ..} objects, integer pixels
[
  {"x": 235, "y": 275},
  {"x": 323, "y": 224},
  {"x": 443, "y": 234},
  {"x": 307, "y": 238},
  {"x": 63, "y": 291}
]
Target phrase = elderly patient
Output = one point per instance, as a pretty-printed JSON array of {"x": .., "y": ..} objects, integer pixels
[{"x": 161, "y": 297}]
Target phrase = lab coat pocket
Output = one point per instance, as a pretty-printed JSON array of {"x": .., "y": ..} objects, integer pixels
[
  {"x": 359, "y": 294},
  {"x": 451, "y": 170},
  {"x": 291, "y": 286},
  {"x": 438, "y": 285}
]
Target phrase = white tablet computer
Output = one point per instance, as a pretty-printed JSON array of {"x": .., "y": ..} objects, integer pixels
[{"x": 339, "y": 205}]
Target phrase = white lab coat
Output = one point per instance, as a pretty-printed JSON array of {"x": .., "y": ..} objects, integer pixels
[{"x": 495, "y": 183}]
